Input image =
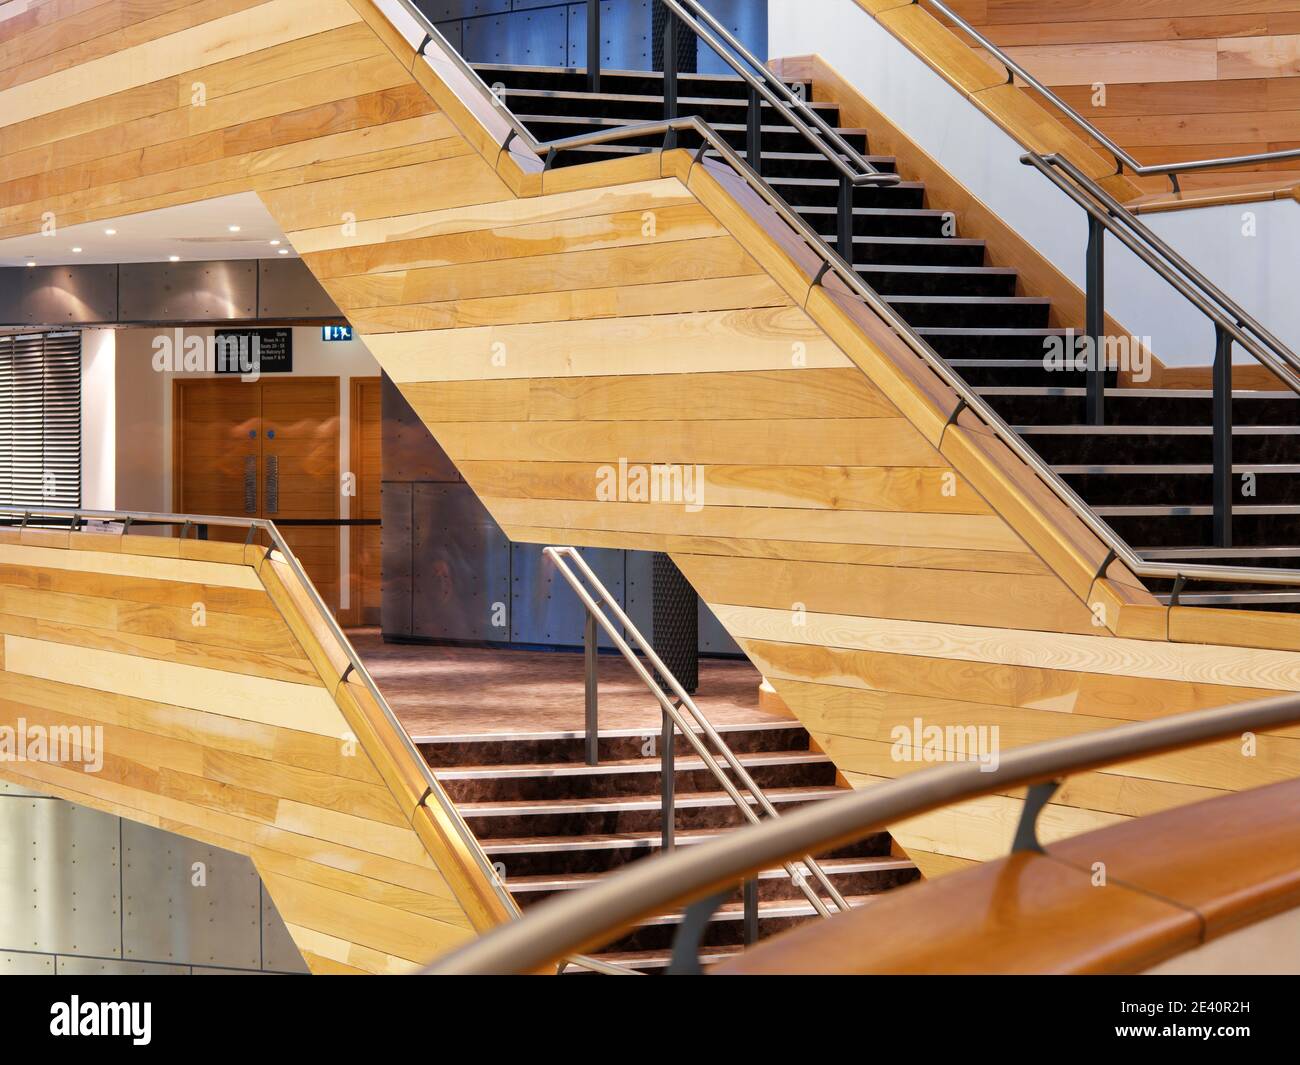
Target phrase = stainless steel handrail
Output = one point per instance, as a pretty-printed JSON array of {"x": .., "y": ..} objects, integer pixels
[
  {"x": 1186, "y": 280},
  {"x": 562, "y": 556},
  {"x": 1128, "y": 218},
  {"x": 583, "y": 920},
  {"x": 1122, "y": 157},
  {"x": 967, "y": 397}
]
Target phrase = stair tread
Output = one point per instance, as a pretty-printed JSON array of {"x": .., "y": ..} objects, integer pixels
[
  {"x": 595, "y": 841},
  {"x": 659, "y": 959},
  {"x": 723, "y": 727},
  {"x": 625, "y": 765}
]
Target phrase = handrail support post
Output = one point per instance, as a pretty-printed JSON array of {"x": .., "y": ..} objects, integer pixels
[
  {"x": 593, "y": 46},
  {"x": 670, "y": 64},
  {"x": 750, "y": 892},
  {"x": 754, "y": 132},
  {"x": 590, "y": 659},
  {"x": 667, "y": 783},
  {"x": 844, "y": 220},
  {"x": 1095, "y": 320},
  {"x": 1222, "y": 417}
]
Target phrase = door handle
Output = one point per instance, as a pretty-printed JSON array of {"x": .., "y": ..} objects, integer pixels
[
  {"x": 250, "y": 484},
  {"x": 272, "y": 484}
]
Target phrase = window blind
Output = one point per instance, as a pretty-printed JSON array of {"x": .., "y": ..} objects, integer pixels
[{"x": 40, "y": 419}]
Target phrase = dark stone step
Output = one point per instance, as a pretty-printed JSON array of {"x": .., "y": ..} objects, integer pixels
[
  {"x": 632, "y": 82},
  {"x": 1173, "y": 489},
  {"x": 972, "y": 312},
  {"x": 1151, "y": 446},
  {"x": 802, "y": 192},
  {"x": 1131, "y": 409},
  {"x": 899, "y": 280},
  {"x": 820, "y": 773},
  {"x": 613, "y": 746}
]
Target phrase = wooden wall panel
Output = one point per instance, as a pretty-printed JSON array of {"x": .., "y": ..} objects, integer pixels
[
  {"x": 247, "y": 746},
  {"x": 1181, "y": 81}
]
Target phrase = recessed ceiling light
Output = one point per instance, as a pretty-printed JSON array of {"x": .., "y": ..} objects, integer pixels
[
  {"x": 77, "y": 251},
  {"x": 275, "y": 243},
  {"x": 110, "y": 232},
  {"x": 284, "y": 251},
  {"x": 173, "y": 258},
  {"x": 31, "y": 262},
  {"x": 233, "y": 229}
]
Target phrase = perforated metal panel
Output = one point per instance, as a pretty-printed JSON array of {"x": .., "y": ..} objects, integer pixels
[
  {"x": 59, "y": 881},
  {"x": 188, "y": 903},
  {"x": 714, "y": 639},
  {"x": 397, "y": 578}
]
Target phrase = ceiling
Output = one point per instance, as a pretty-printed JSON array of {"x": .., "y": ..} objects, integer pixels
[{"x": 191, "y": 232}]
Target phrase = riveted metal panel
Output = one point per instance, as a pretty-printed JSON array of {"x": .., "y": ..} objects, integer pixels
[
  {"x": 395, "y": 547},
  {"x": 461, "y": 564},
  {"x": 76, "y": 966},
  {"x": 537, "y": 37},
  {"x": 9, "y": 788},
  {"x": 16, "y": 963},
  {"x": 287, "y": 289},
  {"x": 186, "y": 902},
  {"x": 445, "y": 9},
  {"x": 59, "y": 891},
  {"x": 625, "y": 42},
  {"x": 544, "y": 609},
  {"x": 194, "y": 292},
  {"x": 454, "y": 32},
  {"x": 747, "y": 21},
  {"x": 410, "y": 453},
  {"x": 58, "y": 295},
  {"x": 279, "y": 952},
  {"x": 714, "y": 639}
]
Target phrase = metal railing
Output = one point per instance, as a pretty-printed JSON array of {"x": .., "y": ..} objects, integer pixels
[
  {"x": 835, "y": 261},
  {"x": 589, "y": 917},
  {"x": 680, "y": 714},
  {"x": 1232, "y": 324},
  {"x": 1122, "y": 157}
]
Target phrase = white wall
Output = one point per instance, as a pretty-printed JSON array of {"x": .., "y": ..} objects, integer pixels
[
  {"x": 98, "y": 419},
  {"x": 1259, "y": 272}
]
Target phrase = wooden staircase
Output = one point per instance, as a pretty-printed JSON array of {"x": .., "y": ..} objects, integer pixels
[{"x": 550, "y": 823}]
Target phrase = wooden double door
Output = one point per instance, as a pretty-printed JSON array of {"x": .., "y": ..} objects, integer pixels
[{"x": 268, "y": 449}]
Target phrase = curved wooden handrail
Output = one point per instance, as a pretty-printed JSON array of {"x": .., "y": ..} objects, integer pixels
[{"x": 1117, "y": 900}]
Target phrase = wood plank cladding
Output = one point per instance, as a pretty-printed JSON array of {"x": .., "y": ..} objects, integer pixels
[
  {"x": 1181, "y": 80},
  {"x": 879, "y": 557},
  {"x": 220, "y": 714}
]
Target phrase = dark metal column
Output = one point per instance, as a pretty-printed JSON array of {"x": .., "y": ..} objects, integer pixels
[
  {"x": 593, "y": 45},
  {"x": 1095, "y": 303},
  {"x": 1222, "y": 414}
]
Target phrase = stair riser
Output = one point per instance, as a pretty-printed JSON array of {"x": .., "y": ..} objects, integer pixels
[
  {"x": 886, "y": 196},
  {"x": 1150, "y": 410},
  {"x": 1199, "y": 531},
  {"x": 600, "y": 860},
  {"x": 999, "y": 346},
  {"x": 775, "y": 138},
  {"x": 733, "y": 112},
  {"x": 523, "y": 751},
  {"x": 538, "y": 789},
  {"x": 970, "y": 315},
  {"x": 587, "y": 824},
  {"x": 781, "y": 889},
  {"x": 718, "y": 933},
  {"x": 944, "y": 253},
  {"x": 1075, "y": 449},
  {"x": 939, "y": 283},
  {"x": 627, "y": 83},
  {"x": 1136, "y": 489}
]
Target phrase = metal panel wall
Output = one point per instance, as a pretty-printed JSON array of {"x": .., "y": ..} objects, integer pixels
[
  {"x": 287, "y": 289},
  {"x": 461, "y": 562},
  {"x": 624, "y": 35},
  {"x": 195, "y": 292},
  {"x": 83, "y": 892},
  {"x": 543, "y": 608},
  {"x": 58, "y": 295}
]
